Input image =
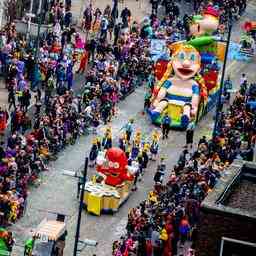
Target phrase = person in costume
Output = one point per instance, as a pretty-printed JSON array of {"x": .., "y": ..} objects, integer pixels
[
  {"x": 99, "y": 143},
  {"x": 145, "y": 155},
  {"x": 136, "y": 146},
  {"x": 122, "y": 142},
  {"x": 181, "y": 89},
  {"x": 6, "y": 241},
  {"x": 128, "y": 151},
  {"x": 83, "y": 62},
  {"x": 29, "y": 245},
  {"x": 129, "y": 129},
  {"x": 161, "y": 168},
  {"x": 136, "y": 175},
  {"x": 107, "y": 139},
  {"x": 140, "y": 160},
  {"x": 93, "y": 153},
  {"x": 154, "y": 147}
]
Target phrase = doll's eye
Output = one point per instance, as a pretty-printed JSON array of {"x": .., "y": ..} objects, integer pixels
[
  {"x": 116, "y": 165},
  {"x": 182, "y": 56},
  {"x": 192, "y": 57},
  {"x": 110, "y": 164}
]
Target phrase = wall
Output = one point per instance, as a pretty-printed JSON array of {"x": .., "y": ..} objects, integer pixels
[{"x": 213, "y": 226}]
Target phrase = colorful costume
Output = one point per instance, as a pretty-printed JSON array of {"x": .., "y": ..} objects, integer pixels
[
  {"x": 154, "y": 147},
  {"x": 136, "y": 145},
  {"x": 122, "y": 142},
  {"x": 93, "y": 152},
  {"x": 107, "y": 139},
  {"x": 145, "y": 157}
]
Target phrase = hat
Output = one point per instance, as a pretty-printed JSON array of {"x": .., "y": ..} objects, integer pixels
[{"x": 211, "y": 10}]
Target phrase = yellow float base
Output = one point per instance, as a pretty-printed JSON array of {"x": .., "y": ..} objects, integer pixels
[{"x": 100, "y": 198}]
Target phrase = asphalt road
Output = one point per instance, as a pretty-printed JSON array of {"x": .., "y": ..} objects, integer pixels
[{"x": 57, "y": 192}]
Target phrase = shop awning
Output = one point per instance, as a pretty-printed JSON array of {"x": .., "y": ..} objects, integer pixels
[{"x": 50, "y": 230}]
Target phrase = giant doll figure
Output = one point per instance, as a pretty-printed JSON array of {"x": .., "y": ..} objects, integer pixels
[
  {"x": 115, "y": 168},
  {"x": 180, "y": 89},
  {"x": 206, "y": 23},
  {"x": 202, "y": 29}
]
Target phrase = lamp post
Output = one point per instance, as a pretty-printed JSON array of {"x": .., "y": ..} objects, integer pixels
[
  {"x": 35, "y": 80},
  {"x": 82, "y": 180},
  {"x": 80, "y": 207},
  {"x": 30, "y": 15},
  {"x": 1, "y": 13},
  {"x": 40, "y": 17},
  {"x": 219, "y": 104}
]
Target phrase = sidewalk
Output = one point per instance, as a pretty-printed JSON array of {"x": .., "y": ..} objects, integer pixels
[
  {"x": 3, "y": 95},
  {"x": 139, "y": 9}
]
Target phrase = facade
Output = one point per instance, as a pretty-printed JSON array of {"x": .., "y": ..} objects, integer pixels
[{"x": 228, "y": 214}]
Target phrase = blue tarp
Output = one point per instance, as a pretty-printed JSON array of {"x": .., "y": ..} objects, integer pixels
[
  {"x": 158, "y": 50},
  {"x": 235, "y": 54}
]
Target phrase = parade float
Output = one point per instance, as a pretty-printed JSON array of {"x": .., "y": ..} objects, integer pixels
[
  {"x": 112, "y": 184},
  {"x": 187, "y": 86},
  {"x": 247, "y": 41}
]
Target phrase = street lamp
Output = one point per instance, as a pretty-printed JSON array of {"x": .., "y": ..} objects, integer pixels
[
  {"x": 1, "y": 13},
  {"x": 40, "y": 19},
  {"x": 35, "y": 80},
  {"x": 81, "y": 185},
  {"x": 219, "y": 104},
  {"x": 80, "y": 207},
  {"x": 30, "y": 15}
]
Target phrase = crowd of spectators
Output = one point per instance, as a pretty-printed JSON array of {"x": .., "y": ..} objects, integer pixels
[
  {"x": 230, "y": 10},
  {"x": 49, "y": 12}
]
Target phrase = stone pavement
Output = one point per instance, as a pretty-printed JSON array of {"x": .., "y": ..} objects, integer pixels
[
  {"x": 3, "y": 94},
  {"x": 139, "y": 8}
]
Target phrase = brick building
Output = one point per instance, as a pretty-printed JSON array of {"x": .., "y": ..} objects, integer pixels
[{"x": 228, "y": 214}]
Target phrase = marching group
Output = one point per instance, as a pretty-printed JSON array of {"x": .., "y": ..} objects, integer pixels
[{"x": 138, "y": 149}]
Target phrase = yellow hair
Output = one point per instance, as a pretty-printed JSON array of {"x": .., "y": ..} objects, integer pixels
[{"x": 155, "y": 135}]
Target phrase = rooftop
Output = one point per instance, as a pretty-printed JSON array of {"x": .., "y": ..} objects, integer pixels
[{"x": 235, "y": 193}]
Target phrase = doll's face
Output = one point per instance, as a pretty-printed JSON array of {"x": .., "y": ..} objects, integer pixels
[
  {"x": 116, "y": 162},
  {"x": 206, "y": 25},
  {"x": 186, "y": 62}
]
